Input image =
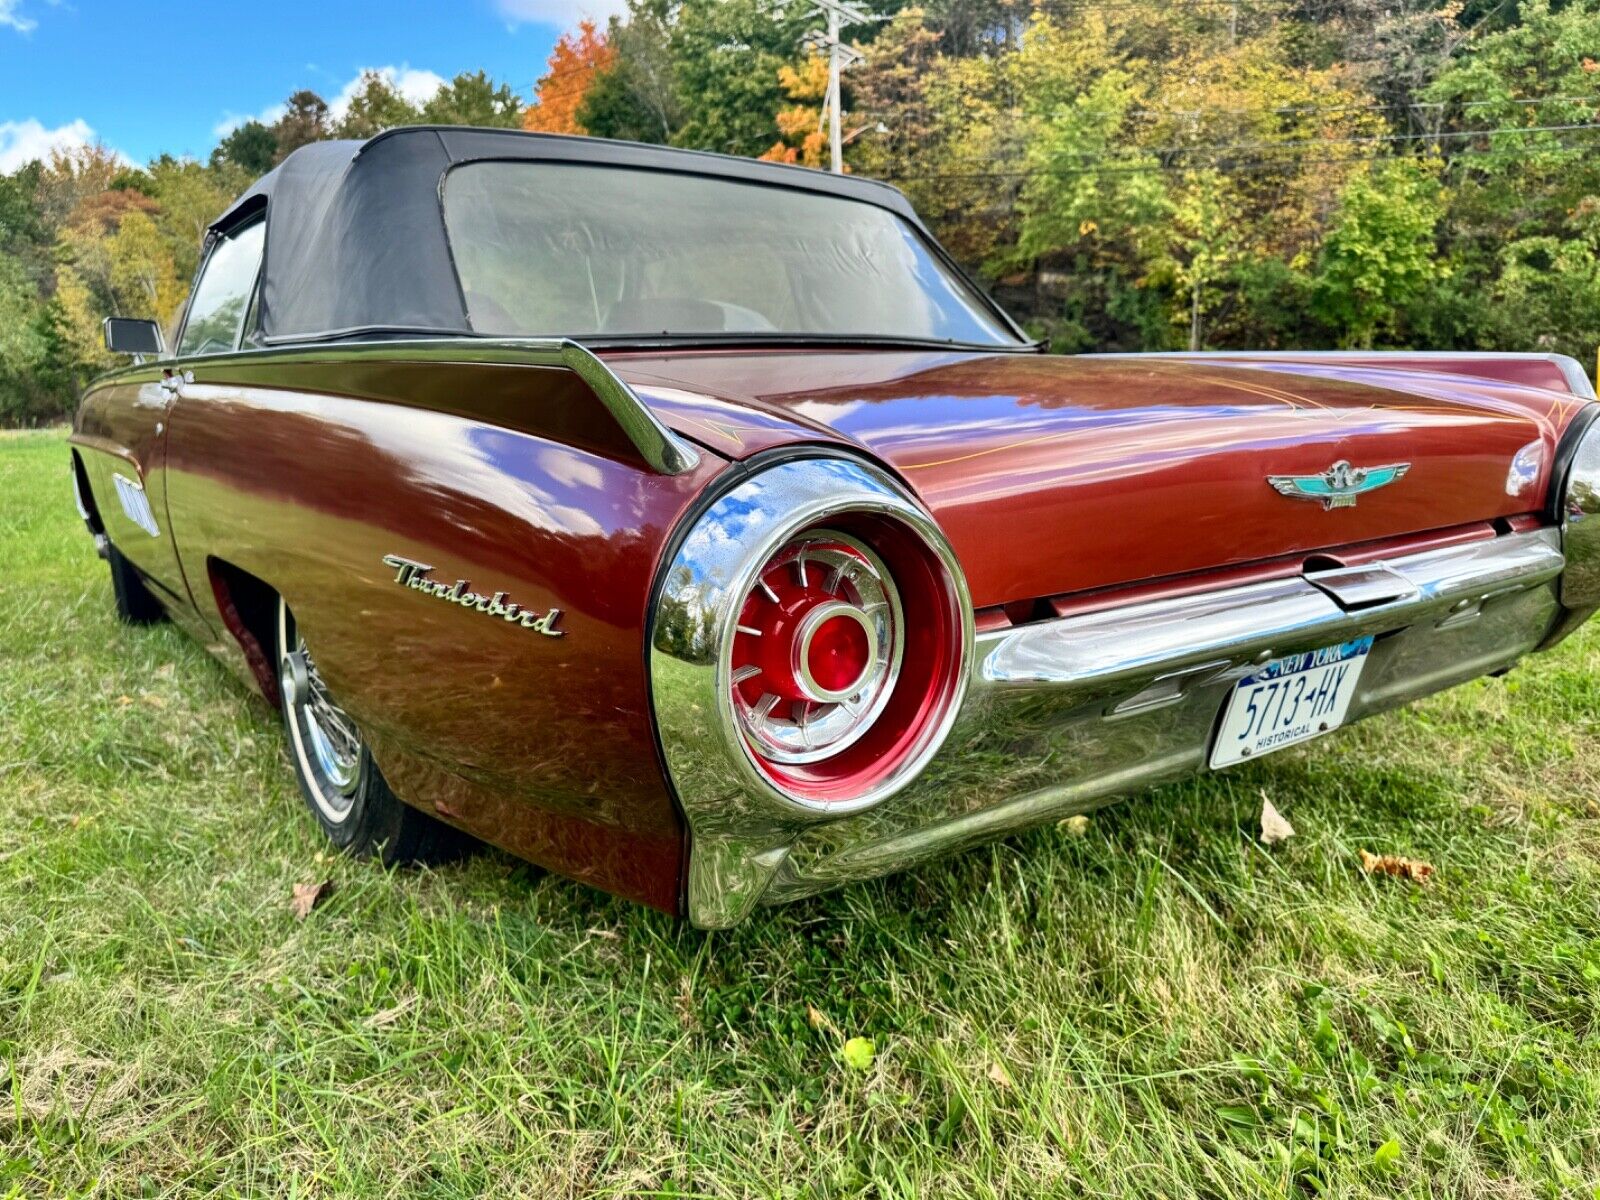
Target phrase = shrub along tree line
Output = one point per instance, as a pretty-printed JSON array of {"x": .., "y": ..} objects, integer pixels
[{"x": 1126, "y": 174}]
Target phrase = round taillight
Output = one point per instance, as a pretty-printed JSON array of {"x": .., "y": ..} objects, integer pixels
[
  {"x": 810, "y": 648},
  {"x": 816, "y": 649},
  {"x": 846, "y": 658}
]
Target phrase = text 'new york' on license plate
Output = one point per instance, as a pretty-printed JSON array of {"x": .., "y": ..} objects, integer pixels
[{"x": 1289, "y": 700}]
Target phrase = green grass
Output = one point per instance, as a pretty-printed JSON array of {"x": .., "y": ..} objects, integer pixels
[{"x": 1159, "y": 1007}]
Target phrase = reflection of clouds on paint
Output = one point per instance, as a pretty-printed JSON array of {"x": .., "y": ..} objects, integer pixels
[
  {"x": 566, "y": 468},
  {"x": 492, "y": 466},
  {"x": 827, "y": 412}
]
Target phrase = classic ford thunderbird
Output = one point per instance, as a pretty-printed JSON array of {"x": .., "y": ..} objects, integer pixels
[{"x": 694, "y": 527}]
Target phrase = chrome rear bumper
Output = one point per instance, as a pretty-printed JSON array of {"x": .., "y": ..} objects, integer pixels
[{"x": 1064, "y": 715}]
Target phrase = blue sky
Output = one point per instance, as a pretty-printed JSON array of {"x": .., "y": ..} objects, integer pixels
[{"x": 147, "y": 77}]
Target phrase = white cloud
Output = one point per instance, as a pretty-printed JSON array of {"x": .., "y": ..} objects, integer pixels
[
  {"x": 564, "y": 13},
  {"x": 232, "y": 120},
  {"x": 23, "y": 141},
  {"x": 12, "y": 19},
  {"x": 417, "y": 86}
]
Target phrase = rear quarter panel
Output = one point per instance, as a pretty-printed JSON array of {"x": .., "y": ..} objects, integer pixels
[{"x": 542, "y": 745}]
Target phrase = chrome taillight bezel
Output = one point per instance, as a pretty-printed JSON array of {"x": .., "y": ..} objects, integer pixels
[
  {"x": 1577, "y": 508},
  {"x": 724, "y": 792}
]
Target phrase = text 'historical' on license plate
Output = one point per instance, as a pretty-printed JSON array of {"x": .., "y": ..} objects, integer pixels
[{"x": 1289, "y": 700}]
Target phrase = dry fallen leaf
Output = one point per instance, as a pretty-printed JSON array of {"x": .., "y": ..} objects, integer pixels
[
  {"x": 1275, "y": 826},
  {"x": 1077, "y": 825},
  {"x": 164, "y": 671},
  {"x": 1413, "y": 869},
  {"x": 814, "y": 1017},
  {"x": 999, "y": 1076},
  {"x": 153, "y": 700},
  {"x": 307, "y": 896}
]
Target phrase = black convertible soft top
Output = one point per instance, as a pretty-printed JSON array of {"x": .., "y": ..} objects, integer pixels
[{"x": 355, "y": 239}]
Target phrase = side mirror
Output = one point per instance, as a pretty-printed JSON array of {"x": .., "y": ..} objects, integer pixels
[{"x": 134, "y": 335}]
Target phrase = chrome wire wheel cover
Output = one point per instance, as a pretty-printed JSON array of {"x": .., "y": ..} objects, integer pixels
[{"x": 325, "y": 739}]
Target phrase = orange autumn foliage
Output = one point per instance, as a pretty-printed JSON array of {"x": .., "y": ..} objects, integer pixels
[
  {"x": 804, "y": 141},
  {"x": 577, "y": 59}
]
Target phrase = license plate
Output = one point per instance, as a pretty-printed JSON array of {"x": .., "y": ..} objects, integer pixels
[{"x": 1289, "y": 700}]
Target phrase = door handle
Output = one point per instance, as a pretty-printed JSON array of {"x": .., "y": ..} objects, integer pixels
[{"x": 172, "y": 382}]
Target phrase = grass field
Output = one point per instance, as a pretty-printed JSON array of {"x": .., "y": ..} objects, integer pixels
[{"x": 1154, "y": 1006}]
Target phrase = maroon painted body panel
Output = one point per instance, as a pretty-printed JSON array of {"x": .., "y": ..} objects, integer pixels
[
  {"x": 1056, "y": 475},
  {"x": 539, "y": 744}
]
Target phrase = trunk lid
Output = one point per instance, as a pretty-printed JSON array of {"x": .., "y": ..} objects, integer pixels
[{"x": 1054, "y": 475}]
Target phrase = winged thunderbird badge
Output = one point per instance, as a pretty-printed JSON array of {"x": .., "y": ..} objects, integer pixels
[{"x": 1340, "y": 484}]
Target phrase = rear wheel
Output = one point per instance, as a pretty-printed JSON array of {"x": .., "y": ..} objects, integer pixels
[
  {"x": 136, "y": 603},
  {"x": 337, "y": 776}
]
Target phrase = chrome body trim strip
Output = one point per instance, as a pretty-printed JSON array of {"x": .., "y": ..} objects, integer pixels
[
  {"x": 664, "y": 450},
  {"x": 1577, "y": 379},
  {"x": 1065, "y": 715}
]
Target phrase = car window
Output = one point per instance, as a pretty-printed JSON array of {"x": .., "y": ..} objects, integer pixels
[
  {"x": 556, "y": 248},
  {"x": 217, "y": 308}
]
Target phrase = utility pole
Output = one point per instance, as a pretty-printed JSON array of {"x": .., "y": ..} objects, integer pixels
[
  {"x": 835, "y": 147},
  {"x": 840, "y": 13}
]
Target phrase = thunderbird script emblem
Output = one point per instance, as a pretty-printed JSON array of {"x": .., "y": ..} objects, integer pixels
[
  {"x": 1340, "y": 484},
  {"x": 409, "y": 573}
]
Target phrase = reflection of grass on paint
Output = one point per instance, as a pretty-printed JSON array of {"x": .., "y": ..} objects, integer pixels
[{"x": 1159, "y": 1006}]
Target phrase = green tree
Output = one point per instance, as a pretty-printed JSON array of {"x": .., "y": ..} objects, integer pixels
[
  {"x": 727, "y": 55},
  {"x": 252, "y": 147},
  {"x": 1381, "y": 252},
  {"x": 375, "y": 107},
  {"x": 189, "y": 197},
  {"x": 474, "y": 99},
  {"x": 636, "y": 97}
]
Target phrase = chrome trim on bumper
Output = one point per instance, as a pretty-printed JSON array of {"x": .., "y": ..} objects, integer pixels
[
  {"x": 1067, "y": 714},
  {"x": 1275, "y": 618}
]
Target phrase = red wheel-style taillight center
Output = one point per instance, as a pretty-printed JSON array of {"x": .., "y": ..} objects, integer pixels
[
  {"x": 816, "y": 649},
  {"x": 847, "y": 658},
  {"x": 839, "y": 653}
]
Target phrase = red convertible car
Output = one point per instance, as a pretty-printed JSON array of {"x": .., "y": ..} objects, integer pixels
[{"x": 692, "y": 526}]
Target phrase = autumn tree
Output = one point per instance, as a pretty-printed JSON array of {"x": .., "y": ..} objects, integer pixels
[
  {"x": 803, "y": 139},
  {"x": 579, "y": 56},
  {"x": 305, "y": 120}
]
